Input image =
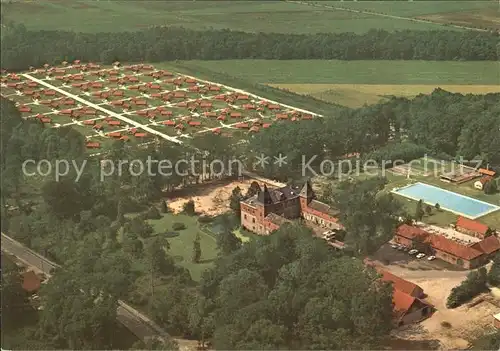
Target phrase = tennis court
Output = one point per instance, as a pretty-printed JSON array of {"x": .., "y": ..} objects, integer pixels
[{"x": 447, "y": 200}]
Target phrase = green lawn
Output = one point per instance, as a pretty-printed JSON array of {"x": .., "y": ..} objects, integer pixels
[
  {"x": 355, "y": 72},
  {"x": 181, "y": 247},
  {"x": 249, "y": 16},
  {"x": 414, "y": 8}
]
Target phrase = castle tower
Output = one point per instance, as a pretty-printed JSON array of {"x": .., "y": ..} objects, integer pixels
[
  {"x": 264, "y": 196},
  {"x": 306, "y": 195}
]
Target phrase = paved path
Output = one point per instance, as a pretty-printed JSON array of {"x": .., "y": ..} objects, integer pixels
[
  {"x": 132, "y": 319},
  {"x": 385, "y": 15},
  {"x": 102, "y": 109}
]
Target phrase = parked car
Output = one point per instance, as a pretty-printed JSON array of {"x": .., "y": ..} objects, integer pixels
[
  {"x": 394, "y": 246},
  {"x": 401, "y": 247},
  {"x": 413, "y": 252},
  {"x": 421, "y": 255},
  {"x": 430, "y": 258}
]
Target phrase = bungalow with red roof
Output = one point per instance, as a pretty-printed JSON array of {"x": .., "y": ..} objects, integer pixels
[
  {"x": 45, "y": 120},
  {"x": 472, "y": 228},
  {"x": 140, "y": 135},
  {"x": 89, "y": 122},
  {"x": 242, "y": 125},
  {"x": 24, "y": 109},
  {"x": 179, "y": 94},
  {"x": 93, "y": 145},
  {"x": 273, "y": 107},
  {"x": 281, "y": 116},
  {"x": 242, "y": 97},
  {"x": 114, "y": 123},
  {"x": 169, "y": 123},
  {"x": 114, "y": 134},
  {"x": 487, "y": 172},
  {"x": 235, "y": 115}
]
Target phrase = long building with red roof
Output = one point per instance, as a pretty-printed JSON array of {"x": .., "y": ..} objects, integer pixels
[{"x": 466, "y": 256}]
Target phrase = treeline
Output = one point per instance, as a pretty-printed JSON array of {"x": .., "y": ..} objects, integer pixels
[
  {"x": 22, "y": 48},
  {"x": 442, "y": 124}
]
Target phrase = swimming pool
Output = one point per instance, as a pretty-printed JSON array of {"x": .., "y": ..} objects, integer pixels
[{"x": 447, "y": 200}]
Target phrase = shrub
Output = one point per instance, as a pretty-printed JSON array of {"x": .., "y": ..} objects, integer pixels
[
  {"x": 189, "y": 208},
  {"x": 170, "y": 234},
  {"x": 153, "y": 213},
  {"x": 178, "y": 226},
  {"x": 205, "y": 219},
  {"x": 468, "y": 289}
]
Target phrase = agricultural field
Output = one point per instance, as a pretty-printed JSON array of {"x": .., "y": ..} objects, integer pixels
[
  {"x": 414, "y": 8},
  {"x": 471, "y": 14},
  {"x": 355, "y": 83},
  {"x": 139, "y": 104},
  {"x": 271, "y": 16}
]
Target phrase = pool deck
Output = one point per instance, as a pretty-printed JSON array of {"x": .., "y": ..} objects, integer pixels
[{"x": 493, "y": 209}]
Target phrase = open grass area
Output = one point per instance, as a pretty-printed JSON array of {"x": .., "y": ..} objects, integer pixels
[
  {"x": 356, "y": 72},
  {"x": 355, "y": 83},
  {"x": 249, "y": 16},
  {"x": 181, "y": 246}
]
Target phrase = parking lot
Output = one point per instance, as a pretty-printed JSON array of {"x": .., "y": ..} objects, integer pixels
[{"x": 389, "y": 256}]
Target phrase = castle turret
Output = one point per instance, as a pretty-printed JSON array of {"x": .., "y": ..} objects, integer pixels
[{"x": 306, "y": 194}]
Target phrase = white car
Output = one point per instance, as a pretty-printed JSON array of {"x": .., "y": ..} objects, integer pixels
[
  {"x": 413, "y": 252},
  {"x": 430, "y": 258},
  {"x": 394, "y": 246},
  {"x": 421, "y": 255}
]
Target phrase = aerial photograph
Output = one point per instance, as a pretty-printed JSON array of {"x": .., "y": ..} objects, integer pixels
[{"x": 207, "y": 175}]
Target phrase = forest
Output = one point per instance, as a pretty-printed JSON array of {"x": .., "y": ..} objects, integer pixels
[
  {"x": 86, "y": 231},
  {"x": 23, "y": 48}
]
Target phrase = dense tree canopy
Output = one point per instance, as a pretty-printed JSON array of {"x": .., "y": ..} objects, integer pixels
[
  {"x": 35, "y": 48},
  {"x": 291, "y": 291}
]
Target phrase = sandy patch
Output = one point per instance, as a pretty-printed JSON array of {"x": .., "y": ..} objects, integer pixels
[
  {"x": 209, "y": 199},
  {"x": 466, "y": 322}
]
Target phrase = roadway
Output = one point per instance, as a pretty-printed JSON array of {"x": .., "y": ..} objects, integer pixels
[{"x": 136, "y": 322}]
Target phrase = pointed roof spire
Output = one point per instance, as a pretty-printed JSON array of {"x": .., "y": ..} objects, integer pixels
[
  {"x": 264, "y": 196},
  {"x": 307, "y": 191}
]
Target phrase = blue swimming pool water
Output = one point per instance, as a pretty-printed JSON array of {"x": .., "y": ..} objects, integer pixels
[{"x": 448, "y": 200}]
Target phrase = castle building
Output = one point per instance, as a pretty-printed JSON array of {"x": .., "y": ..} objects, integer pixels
[{"x": 266, "y": 211}]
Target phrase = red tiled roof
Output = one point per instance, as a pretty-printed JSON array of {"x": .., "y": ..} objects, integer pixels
[
  {"x": 441, "y": 243},
  {"x": 31, "y": 282},
  {"x": 402, "y": 302},
  {"x": 411, "y": 232},
  {"x": 471, "y": 225},
  {"x": 399, "y": 283},
  {"x": 438, "y": 242},
  {"x": 488, "y": 172},
  {"x": 489, "y": 245}
]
